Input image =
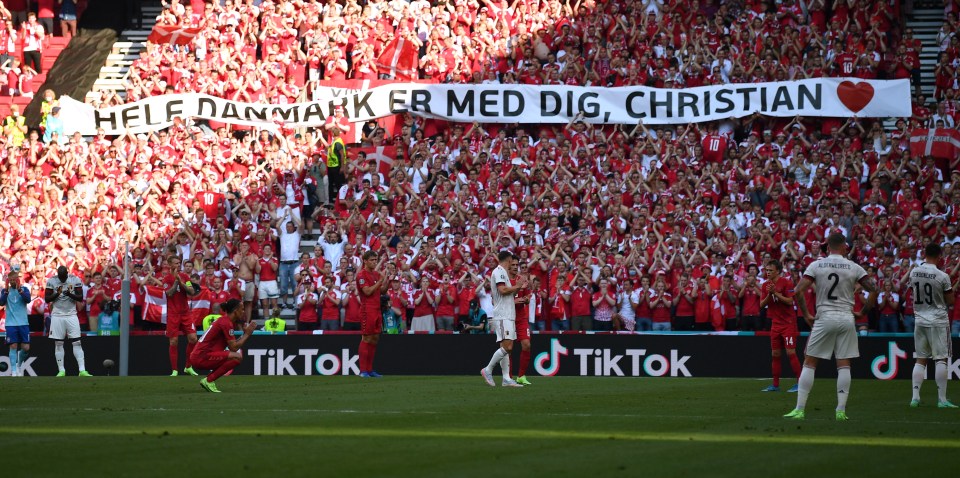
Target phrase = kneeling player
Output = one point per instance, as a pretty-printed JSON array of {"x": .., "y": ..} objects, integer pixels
[
  {"x": 219, "y": 349},
  {"x": 778, "y": 299}
]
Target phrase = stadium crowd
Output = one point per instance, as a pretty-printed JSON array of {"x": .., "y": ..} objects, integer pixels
[{"x": 627, "y": 227}]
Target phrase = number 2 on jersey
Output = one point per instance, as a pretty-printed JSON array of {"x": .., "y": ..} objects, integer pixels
[{"x": 836, "y": 280}]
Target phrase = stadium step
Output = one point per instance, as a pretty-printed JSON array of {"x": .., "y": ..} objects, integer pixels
[
  {"x": 124, "y": 52},
  {"x": 926, "y": 23},
  {"x": 138, "y": 33},
  {"x": 120, "y": 58},
  {"x": 127, "y": 47},
  {"x": 111, "y": 70},
  {"x": 114, "y": 84},
  {"x": 21, "y": 101}
]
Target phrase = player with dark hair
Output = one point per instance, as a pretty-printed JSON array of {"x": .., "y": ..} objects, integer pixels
[
  {"x": 833, "y": 333},
  {"x": 504, "y": 319},
  {"x": 63, "y": 292},
  {"x": 932, "y": 298},
  {"x": 219, "y": 350},
  {"x": 522, "y": 305},
  {"x": 778, "y": 299},
  {"x": 370, "y": 284}
]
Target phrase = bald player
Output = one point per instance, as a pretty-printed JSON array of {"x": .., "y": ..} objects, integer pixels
[{"x": 833, "y": 333}]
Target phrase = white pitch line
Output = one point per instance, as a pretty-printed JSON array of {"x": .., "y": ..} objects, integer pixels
[
  {"x": 428, "y": 412},
  {"x": 474, "y": 434}
]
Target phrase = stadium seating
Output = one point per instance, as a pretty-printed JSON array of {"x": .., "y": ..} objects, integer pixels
[{"x": 773, "y": 190}]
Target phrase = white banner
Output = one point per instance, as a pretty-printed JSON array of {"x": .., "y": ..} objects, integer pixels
[{"x": 836, "y": 97}]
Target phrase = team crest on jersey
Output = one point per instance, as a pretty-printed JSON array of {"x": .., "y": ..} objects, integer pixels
[{"x": 360, "y": 281}]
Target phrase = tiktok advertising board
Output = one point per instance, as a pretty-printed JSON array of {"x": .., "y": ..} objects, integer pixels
[{"x": 594, "y": 355}]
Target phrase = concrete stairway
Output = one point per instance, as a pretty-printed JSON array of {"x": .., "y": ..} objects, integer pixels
[{"x": 113, "y": 74}]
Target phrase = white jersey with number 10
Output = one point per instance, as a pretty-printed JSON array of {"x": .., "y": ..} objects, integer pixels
[{"x": 836, "y": 279}]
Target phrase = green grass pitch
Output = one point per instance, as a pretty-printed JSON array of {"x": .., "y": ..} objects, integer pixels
[{"x": 458, "y": 426}]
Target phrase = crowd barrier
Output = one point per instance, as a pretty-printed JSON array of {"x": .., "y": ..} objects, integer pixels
[{"x": 744, "y": 355}]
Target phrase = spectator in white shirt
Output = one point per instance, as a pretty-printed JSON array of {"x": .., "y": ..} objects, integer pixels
[
  {"x": 32, "y": 33},
  {"x": 290, "y": 228},
  {"x": 333, "y": 245}
]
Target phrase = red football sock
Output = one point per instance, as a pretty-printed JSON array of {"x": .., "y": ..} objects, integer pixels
[
  {"x": 173, "y": 357},
  {"x": 777, "y": 369},
  {"x": 225, "y": 367},
  {"x": 190, "y": 347},
  {"x": 524, "y": 362},
  {"x": 795, "y": 363},
  {"x": 371, "y": 353},
  {"x": 363, "y": 357}
]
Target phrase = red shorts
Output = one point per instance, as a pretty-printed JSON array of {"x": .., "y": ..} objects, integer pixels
[
  {"x": 523, "y": 330},
  {"x": 783, "y": 337},
  {"x": 372, "y": 325},
  {"x": 178, "y": 325},
  {"x": 210, "y": 361}
]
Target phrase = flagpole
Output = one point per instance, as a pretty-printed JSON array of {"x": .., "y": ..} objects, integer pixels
[{"x": 125, "y": 314}]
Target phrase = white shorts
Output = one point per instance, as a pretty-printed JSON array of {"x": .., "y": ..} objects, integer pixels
[
  {"x": 269, "y": 290},
  {"x": 423, "y": 323},
  {"x": 505, "y": 329},
  {"x": 833, "y": 336},
  {"x": 249, "y": 290},
  {"x": 933, "y": 342},
  {"x": 64, "y": 327}
]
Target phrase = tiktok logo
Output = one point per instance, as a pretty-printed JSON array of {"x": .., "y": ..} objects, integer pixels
[
  {"x": 548, "y": 363},
  {"x": 891, "y": 361}
]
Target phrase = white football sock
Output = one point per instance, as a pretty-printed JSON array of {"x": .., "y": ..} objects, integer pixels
[
  {"x": 14, "y": 362},
  {"x": 505, "y": 366},
  {"x": 58, "y": 354},
  {"x": 499, "y": 354},
  {"x": 843, "y": 387},
  {"x": 940, "y": 374},
  {"x": 919, "y": 373},
  {"x": 78, "y": 354},
  {"x": 805, "y": 384}
]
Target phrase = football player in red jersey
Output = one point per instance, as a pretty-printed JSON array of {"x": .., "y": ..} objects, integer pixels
[
  {"x": 219, "y": 349},
  {"x": 178, "y": 288},
  {"x": 522, "y": 301},
  {"x": 370, "y": 283},
  {"x": 778, "y": 299}
]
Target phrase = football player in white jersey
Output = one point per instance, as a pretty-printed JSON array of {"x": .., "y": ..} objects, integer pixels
[
  {"x": 932, "y": 298},
  {"x": 63, "y": 291},
  {"x": 503, "y": 321},
  {"x": 833, "y": 333}
]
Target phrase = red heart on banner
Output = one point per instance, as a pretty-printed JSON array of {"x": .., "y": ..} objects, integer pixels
[{"x": 855, "y": 96}]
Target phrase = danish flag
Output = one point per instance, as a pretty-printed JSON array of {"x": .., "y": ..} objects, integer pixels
[
  {"x": 382, "y": 154},
  {"x": 200, "y": 306},
  {"x": 155, "y": 305},
  {"x": 399, "y": 59},
  {"x": 173, "y": 34},
  {"x": 939, "y": 143}
]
